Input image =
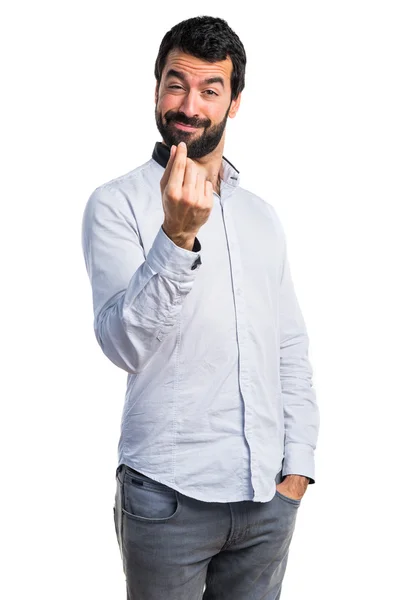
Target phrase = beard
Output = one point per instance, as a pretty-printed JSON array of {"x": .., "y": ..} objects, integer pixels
[{"x": 198, "y": 146}]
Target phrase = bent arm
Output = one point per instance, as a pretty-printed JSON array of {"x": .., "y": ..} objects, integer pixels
[
  {"x": 136, "y": 300},
  {"x": 301, "y": 413}
]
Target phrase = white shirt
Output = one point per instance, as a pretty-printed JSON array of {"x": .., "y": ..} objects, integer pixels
[{"x": 219, "y": 392}]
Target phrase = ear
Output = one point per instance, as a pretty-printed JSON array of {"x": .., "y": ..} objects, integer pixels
[
  {"x": 156, "y": 92},
  {"x": 235, "y": 106}
]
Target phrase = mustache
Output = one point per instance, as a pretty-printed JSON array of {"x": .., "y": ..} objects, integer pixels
[{"x": 179, "y": 117}]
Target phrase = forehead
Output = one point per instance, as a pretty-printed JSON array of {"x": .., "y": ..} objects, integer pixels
[{"x": 195, "y": 68}]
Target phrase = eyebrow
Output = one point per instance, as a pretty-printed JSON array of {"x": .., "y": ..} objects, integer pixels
[{"x": 181, "y": 76}]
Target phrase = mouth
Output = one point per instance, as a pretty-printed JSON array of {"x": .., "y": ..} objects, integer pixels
[{"x": 185, "y": 127}]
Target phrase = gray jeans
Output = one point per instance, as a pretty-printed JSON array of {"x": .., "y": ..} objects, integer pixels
[{"x": 173, "y": 546}]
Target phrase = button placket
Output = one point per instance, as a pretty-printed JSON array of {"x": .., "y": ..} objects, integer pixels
[{"x": 245, "y": 379}]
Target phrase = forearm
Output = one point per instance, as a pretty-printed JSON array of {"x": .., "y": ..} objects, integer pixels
[
  {"x": 301, "y": 414},
  {"x": 131, "y": 330}
]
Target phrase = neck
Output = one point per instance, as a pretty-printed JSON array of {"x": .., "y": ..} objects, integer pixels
[{"x": 212, "y": 166}]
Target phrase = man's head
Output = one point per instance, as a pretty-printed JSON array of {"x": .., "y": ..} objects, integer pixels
[{"x": 200, "y": 73}]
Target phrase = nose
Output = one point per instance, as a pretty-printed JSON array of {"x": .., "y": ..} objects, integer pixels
[{"x": 189, "y": 104}]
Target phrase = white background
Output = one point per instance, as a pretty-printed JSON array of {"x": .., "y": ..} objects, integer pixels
[{"x": 317, "y": 135}]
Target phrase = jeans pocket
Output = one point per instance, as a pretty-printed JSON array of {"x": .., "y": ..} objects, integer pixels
[
  {"x": 144, "y": 499},
  {"x": 115, "y": 522},
  {"x": 287, "y": 499}
]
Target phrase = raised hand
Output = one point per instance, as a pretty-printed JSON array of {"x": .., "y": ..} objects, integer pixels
[{"x": 187, "y": 197}]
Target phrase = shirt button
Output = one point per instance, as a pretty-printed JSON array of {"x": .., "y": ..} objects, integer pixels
[{"x": 196, "y": 263}]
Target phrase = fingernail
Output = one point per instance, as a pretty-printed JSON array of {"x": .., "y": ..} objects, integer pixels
[{"x": 182, "y": 144}]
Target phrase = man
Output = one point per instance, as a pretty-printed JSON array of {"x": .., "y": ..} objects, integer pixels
[{"x": 193, "y": 298}]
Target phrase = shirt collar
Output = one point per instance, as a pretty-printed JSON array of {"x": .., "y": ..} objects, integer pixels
[{"x": 230, "y": 175}]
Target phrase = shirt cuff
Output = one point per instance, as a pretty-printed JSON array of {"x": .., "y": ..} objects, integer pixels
[
  {"x": 172, "y": 261},
  {"x": 299, "y": 460}
]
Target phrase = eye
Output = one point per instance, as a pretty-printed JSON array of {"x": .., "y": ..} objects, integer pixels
[{"x": 179, "y": 87}]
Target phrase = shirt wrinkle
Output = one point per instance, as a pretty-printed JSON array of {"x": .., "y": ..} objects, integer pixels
[{"x": 219, "y": 397}]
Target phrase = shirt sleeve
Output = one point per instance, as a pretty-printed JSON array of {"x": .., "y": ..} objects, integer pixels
[
  {"x": 136, "y": 299},
  {"x": 301, "y": 413}
]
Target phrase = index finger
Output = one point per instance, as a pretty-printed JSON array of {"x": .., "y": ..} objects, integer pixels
[{"x": 179, "y": 166}]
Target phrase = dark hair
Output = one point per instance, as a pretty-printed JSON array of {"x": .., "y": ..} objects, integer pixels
[{"x": 208, "y": 38}]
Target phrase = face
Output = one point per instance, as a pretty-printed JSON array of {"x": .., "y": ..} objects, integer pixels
[{"x": 193, "y": 102}]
